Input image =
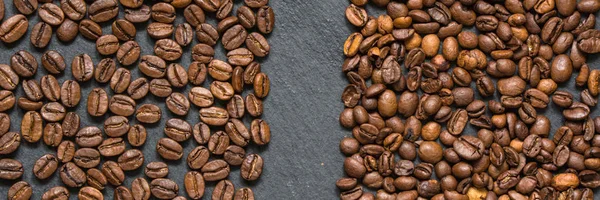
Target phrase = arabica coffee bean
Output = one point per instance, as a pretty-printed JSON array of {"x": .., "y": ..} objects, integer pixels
[
  {"x": 128, "y": 53},
  {"x": 10, "y": 141},
  {"x": 198, "y": 157},
  {"x": 68, "y": 30},
  {"x": 169, "y": 149},
  {"x": 65, "y": 151},
  {"x": 87, "y": 157},
  {"x": 140, "y": 189},
  {"x": 178, "y": 130},
  {"x": 112, "y": 147},
  {"x": 122, "y": 105},
  {"x": 45, "y": 166},
  {"x": 95, "y": 178},
  {"x": 89, "y": 136},
  {"x": 97, "y": 102},
  {"x": 51, "y": 14},
  {"x": 20, "y": 190},
  {"x": 53, "y": 134},
  {"x": 82, "y": 67},
  {"x": 113, "y": 173},
  {"x": 31, "y": 126},
  {"x": 156, "y": 169},
  {"x": 57, "y": 192},
  {"x": 131, "y": 159},
  {"x": 116, "y": 126},
  {"x": 70, "y": 93},
  {"x": 194, "y": 184},
  {"x": 148, "y": 113},
  {"x": 90, "y": 29},
  {"x": 164, "y": 188},
  {"x": 223, "y": 190},
  {"x": 71, "y": 175},
  {"x": 215, "y": 170},
  {"x": 90, "y": 193},
  {"x": 40, "y": 35},
  {"x": 167, "y": 49},
  {"x": 251, "y": 167},
  {"x": 122, "y": 192},
  {"x": 138, "y": 15},
  {"x": 137, "y": 135},
  {"x": 23, "y": 63},
  {"x": 26, "y": 7},
  {"x": 13, "y": 28},
  {"x": 74, "y": 9},
  {"x": 104, "y": 10},
  {"x": 160, "y": 87}
]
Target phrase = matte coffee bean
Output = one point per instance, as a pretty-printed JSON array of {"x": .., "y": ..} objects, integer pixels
[
  {"x": 138, "y": 15},
  {"x": 53, "y": 134},
  {"x": 7, "y": 100},
  {"x": 13, "y": 28},
  {"x": 97, "y": 102},
  {"x": 169, "y": 149},
  {"x": 120, "y": 80},
  {"x": 71, "y": 175},
  {"x": 156, "y": 170},
  {"x": 178, "y": 130},
  {"x": 131, "y": 160},
  {"x": 90, "y": 193},
  {"x": 194, "y": 184},
  {"x": 160, "y": 87},
  {"x": 128, "y": 53},
  {"x": 82, "y": 68},
  {"x": 23, "y": 63},
  {"x": 87, "y": 158},
  {"x": 40, "y": 35},
  {"x": 19, "y": 191},
  {"x": 112, "y": 147},
  {"x": 102, "y": 11},
  {"x": 207, "y": 34},
  {"x": 184, "y": 34},
  {"x": 105, "y": 70},
  {"x": 164, "y": 188},
  {"x": 177, "y": 75},
  {"x": 122, "y": 193},
  {"x": 157, "y": 30},
  {"x": 148, "y": 113},
  {"x": 215, "y": 170}
]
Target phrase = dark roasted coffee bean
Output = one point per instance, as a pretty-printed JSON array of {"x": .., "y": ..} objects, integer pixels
[
  {"x": 123, "y": 29},
  {"x": 23, "y": 63},
  {"x": 128, "y": 53},
  {"x": 164, "y": 188},
  {"x": 13, "y": 28},
  {"x": 113, "y": 173},
  {"x": 131, "y": 160},
  {"x": 112, "y": 147},
  {"x": 138, "y": 15},
  {"x": 71, "y": 175},
  {"x": 41, "y": 35},
  {"x": 20, "y": 191},
  {"x": 103, "y": 10},
  {"x": 97, "y": 102},
  {"x": 169, "y": 149}
]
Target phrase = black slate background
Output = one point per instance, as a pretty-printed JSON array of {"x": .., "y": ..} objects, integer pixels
[{"x": 302, "y": 161}]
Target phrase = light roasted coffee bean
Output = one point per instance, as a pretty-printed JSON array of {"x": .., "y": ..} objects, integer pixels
[{"x": 20, "y": 190}]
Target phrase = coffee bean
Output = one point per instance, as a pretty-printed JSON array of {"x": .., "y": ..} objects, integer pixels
[
  {"x": 167, "y": 49},
  {"x": 122, "y": 105},
  {"x": 194, "y": 15},
  {"x": 164, "y": 188},
  {"x": 138, "y": 88},
  {"x": 148, "y": 113},
  {"x": 102, "y": 11},
  {"x": 156, "y": 170},
  {"x": 160, "y": 87},
  {"x": 112, "y": 147},
  {"x": 71, "y": 175},
  {"x": 261, "y": 85},
  {"x": 184, "y": 34},
  {"x": 178, "y": 130},
  {"x": 157, "y": 30},
  {"x": 52, "y": 61},
  {"x": 74, "y": 9},
  {"x": 120, "y": 80},
  {"x": 246, "y": 16},
  {"x": 50, "y": 88},
  {"x": 137, "y": 135},
  {"x": 95, "y": 178},
  {"x": 7, "y": 100},
  {"x": 214, "y": 116},
  {"x": 23, "y": 63},
  {"x": 65, "y": 151},
  {"x": 20, "y": 190},
  {"x": 131, "y": 160},
  {"x": 261, "y": 132},
  {"x": 51, "y": 14},
  {"x": 140, "y": 189},
  {"x": 57, "y": 192},
  {"x": 215, "y": 170},
  {"x": 13, "y": 28},
  {"x": 70, "y": 93},
  {"x": 169, "y": 149},
  {"x": 112, "y": 171},
  {"x": 122, "y": 193},
  {"x": 53, "y": 134},
  {"x": 32, "y": 90},
  {"x": 234, "y": 155},
  {"x": 97, "y": 102},
  {"x": 26, "y": 7},
  {"x": 105, "y": 70},
  {"x": 87, "y": 158},
  {"x": 163, "y": 12},
  {"x": 251, "y": 168},
  {"x": 90, "y": 193},
  {"x": 31, "y": 126},
  {"x": 177, "y": 75},
  {"x": 236, "y": 107},
  {"x": 45, "y": 166},
  {"x": 218, "y": 143},
  {"x": 198, "y": 157},
  {"x": 234, "y": 37},
  {"x": 194, "y": 184},
  {"x": 67, "y": 31},
  {"x": 116, "y": 126},
  {"x": 128, "y": 53},
  {"x": 90, "y": 29},
  {"x": 53, "y": 112},
  {"x": 207, "y": 34},
  {"x": 153, "y": 66},
  {"x": 89, "y": 136},
  {"x": 10, "y": 141},
  {"x": 223, "y": 190},
  {"x": 138, "y": 15},
  {"x": 40, "y": 35},
  {"x": 82, "y": 68}
]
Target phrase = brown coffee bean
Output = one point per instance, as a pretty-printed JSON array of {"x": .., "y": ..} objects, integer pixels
[
  {"x": 70, "y": 93},
  {"x": 13, "y": 28},
  {"x": 169, "y": 149},
  {"x": 148, "y": 113},
  {"x": 131, "y": 160},
  {"x": 67, "y": 31},
  {"x": 122, "y": 105},
  {"x": 53, "y": 134},
  {"x": 71, "y": 175},
  {"x": 52, "y": 61},
  {"x": 74, "y": 9},
  {"x": 140, "y": 189},
  {"x": 167, "y": 49},
  {"x": 90, "y": 193},
  {"x": 137, "y": 135},
  {"x": 194, "y": 184},
  {"x": 95, "y": 178},
  {"x": 26, "y": 7},
  {"x": 251, "y": 168},
  {"x": 104, "y": 10},
  {"x": 57, "y": 192},
  {"x": 160, "y": 87},
  {"x": 178, "y": 130},
  {"x": 51, "y": 14},
  {"x": 116, "y": 126},
  {"x": 223, "y": 190},
  {"x": 177, "y": 75},
  {"x": 45, "y": 166},
  {"x": 138, "y": 15},
  {"x": 157, "y": 30},
  {"x": 20, "y": 190},
  {"x": 122, "y": 193},
  {"x": 7, "y": 100},
  {"x": 234, "y": 155},
  {"x": 113, "y": 173},
  {"x": 120, "y": 80},
  {"x": 164, "y": 188},
  {"x": 89, "y": 136},
  {"x": 194, "y": 15},
  {"x": 156, "y": 170},
  {"x": 40, "y": 35},
  {"x": 31, "y": 126},
  {"x": 128, "y": 53},
  {"x": 23, "y": 63},
  {"x": 261, "y": 132},
  {"x": 97, "y": 102},
  {"x": 87, "y": 158},
  {"x": 215, "y": 170},
  {"x": 234, "y": 37},
  {"x": 184, "y": 34},
  {"x": 65, "y": 151},
  {"x": 112, "y": 147}
]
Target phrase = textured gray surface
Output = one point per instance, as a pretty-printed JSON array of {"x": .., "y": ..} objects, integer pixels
[{"x": 301, "y": 162}]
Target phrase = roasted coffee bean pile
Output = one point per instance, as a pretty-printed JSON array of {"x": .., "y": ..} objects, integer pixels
[
  {"x": 426, "y": 72},
  {"x": 90, "y": 157}
]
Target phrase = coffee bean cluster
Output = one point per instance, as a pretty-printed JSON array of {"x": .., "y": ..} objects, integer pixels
[
  {"x": 426, "y": 73},
  {"x": 91, "y": 157}
]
